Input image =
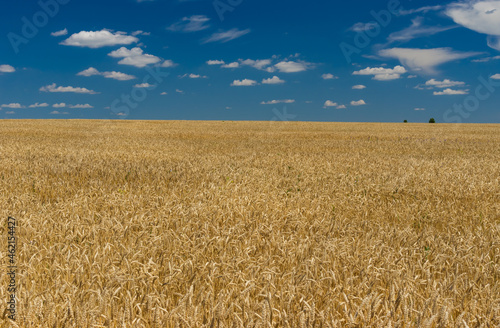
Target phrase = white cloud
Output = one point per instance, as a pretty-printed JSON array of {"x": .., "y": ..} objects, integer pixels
[
  {"x": 329, "y": 76},
  {"x": 423, "y": 10},
  {"x": 412, "y": 76},
  {"x": 60, "y": 105},
  {"x": 231, "y": 65},
  {"x": 53, "y": 88},
  {"x": 37, "y": 105},
  {"x": 363, "y": 27},
  {"x": 259, "y": 64},
  {"x": 7, "y": 69},
  {"x": 134, "y": 57},
  {"x": 164, "y": 93},
  {"x": 341, "y": 107},
  {"x": 485, "y": 60},
  {"x": 81, "y": 106},
  {"x": 193, "y": 76},
  {"x": 55, "y": 112},
  {"x": 386, "y": 77},
  {"x": 292, "y": 66},
  {"x": 243, "y": 83},
  {"x": 493, "y": 42},
  {"x": 419, "y": 109},
  {"x": 358, "y": 103},
  {"x": 168, "y": 63},
  {"x": 12, "y": 105},
  {"x": 443, "y": 84},
  {"x": 495, "y": 77},
  {"x": 144, "y": 85},
  {"x": 60, "y": 33},
  {"x": 215, "y": 62},
  {"x": 450, "y": 92},
  {"x": 193, "y": 23},
  {"x": 140, "y": 32},
  {"x": 98, "y": 39},
  {"x": 358, "y": 87},
  {"x": 226, "y": 36},
  {"x": 425, "y": 60},
  {"x": 330, "y": 103},
  {"x": 416, "y": 30},
  {"x": 273, "y": 80},
  {"x": 382, "y": 73},
  {"x": 91, "y": 71},
  {"x": 179, "y": 91},
  {"x": 479, "y": 16},
  {"x": 274, "y": 102}
]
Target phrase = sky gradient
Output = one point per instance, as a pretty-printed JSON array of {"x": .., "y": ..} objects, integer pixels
[{"x": 359, "y": 61}]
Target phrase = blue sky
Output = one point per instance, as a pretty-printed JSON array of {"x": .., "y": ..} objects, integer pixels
[{"x": 361, "y": 61}]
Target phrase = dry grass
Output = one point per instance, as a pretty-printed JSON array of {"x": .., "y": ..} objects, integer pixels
[{"x": 239, "y": 224}]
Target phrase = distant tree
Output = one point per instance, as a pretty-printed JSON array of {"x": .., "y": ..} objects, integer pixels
[
  {"x": 405, "y": 121},
  {"x": 432, "y": 120}
]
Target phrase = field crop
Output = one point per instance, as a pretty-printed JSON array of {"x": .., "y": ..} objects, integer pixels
[{"x": 251, "y": 224}]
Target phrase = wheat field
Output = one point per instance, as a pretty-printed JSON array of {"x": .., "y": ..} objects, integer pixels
[{"x": 251, "y": 224}]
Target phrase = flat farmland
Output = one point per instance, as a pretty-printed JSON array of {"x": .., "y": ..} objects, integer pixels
[{"x": 251, "y": 224}]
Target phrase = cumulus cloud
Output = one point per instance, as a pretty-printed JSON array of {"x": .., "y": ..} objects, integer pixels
[
  {"x": 60, "y": 33},
  {"x": 193, "y": 76},
  {"x": 341, "y": 107},
  {"x": 55, "y": 112},
  {"x": 330, "y": 103},
  {"x": 443, "y": 84},
  {"x": 60, "y": 105},
  {"x": 54, "y": 88},
  {"x": 358, "y": 87},
  {"x": 193, "y": 23},
  {"x": 226, "y": 36},
  {"x": 91, "y": 71},
  {"x": 382, "y": 73},
  {"x": 163, "y": 93},
  {"x": 419, "y": 108},
  {"x": 231, "y": 65},
  {"x": 358, "y": 103},
  {"x": 144, "y": 85},
  {"x": 81, "y": 106},
  {"x": 293, "y": 66},
  {"x": 134, "y": 57},
  {"x": 7, "y": 69},
  {"x": 98, "y": 39},
  {"x": 479, "y": 16},
  {"x": 328, "y": 76},
  {"x": 450, "y": 92},
  {"x": 273, "y": 80},
  {"x": 425, "y": 60},
  {"x": 274, "y": 102},
  {"x": 168, "y": 63},
  {"x": 12, "y": 105},
  {"x": 495, "y": 77},
  {"x": 37, "y": 105},
  {"x": 244, "y": 83},
  {"x": 215, "y": 62}
]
